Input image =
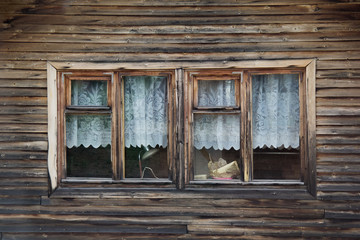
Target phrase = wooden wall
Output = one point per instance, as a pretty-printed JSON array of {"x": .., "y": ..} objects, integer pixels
[{"x": 33, "y": 32}]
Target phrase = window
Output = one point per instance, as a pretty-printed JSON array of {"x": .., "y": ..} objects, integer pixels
[
  {"x": 115, "y": 125},
  {"x": 245, "y": 125},
  {"x": 190, "y": 127}
]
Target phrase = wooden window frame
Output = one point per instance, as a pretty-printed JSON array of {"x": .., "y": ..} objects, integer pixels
[{"x": 180, "y": 129}]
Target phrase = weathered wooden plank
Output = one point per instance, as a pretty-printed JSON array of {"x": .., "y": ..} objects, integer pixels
[
  {"x": 23, "y": 146},
  {"x": 333, "y": 214},
  {"x": 338, "y": 130},
  {"x": 22, "y": 92},
  {"x": 337, "y": 139},
  {"x": 338, "y": 187},
  {"x": 10, "y": 182},
  {"x": 13, "y": 163},
  {"x": 23, "y": 172},
  {"x": 177, "y": 48},
  {"x": 338, "y": 111},
  {"x": 338, "y": 83},
  {"x": 23, "y": 128},
  {"x": 31, "y": 65},
  {"x": 338, "y": 158},
  {"x": 23, "y": 110},
  {"x": 19, "y": 155},
  {"x": 341, "y": 168},
  {"x": 19, "y": 200},
  {"x": 180, "y": 39},
  {"x": 340, "y": 101},
  {"x": 26, "y": 74},
  {"x": 163, "y": 56},
  {"x": 338, "y": 92},
  {"x": 193, "y": 29},
  {"x": 339, "y": 178},
  {"x": 22, "y": 83},
  {"x": 181, "y": 10},
  {"x": 20, "y": 101},
  {"x": 175, "y": 20},
  {"x": 177, "y": 3},
  {"x": 351, "y": 73},
  {"x": 34, "y": 118},
  {"x": 20, "y": 137},
  {"x": 338, "y": 121},
  {"x": 326, "y": 65}
]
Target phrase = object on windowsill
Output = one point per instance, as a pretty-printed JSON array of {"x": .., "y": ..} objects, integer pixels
[{"x": 228, "y": 171}]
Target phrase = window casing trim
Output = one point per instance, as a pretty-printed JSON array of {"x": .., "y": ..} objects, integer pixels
[{"x": 308, "y": 64}]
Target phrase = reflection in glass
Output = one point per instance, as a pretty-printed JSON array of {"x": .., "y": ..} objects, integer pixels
[
  {"x": 216, "y": 93},
  {"x": 88, "y": 93}
]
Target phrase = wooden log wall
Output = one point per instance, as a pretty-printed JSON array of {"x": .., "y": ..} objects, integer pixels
[{"x": 33, "y": 32}]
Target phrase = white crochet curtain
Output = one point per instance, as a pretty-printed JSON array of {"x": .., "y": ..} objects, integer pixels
[
  {"x": 213, "y": 93},
  {"x": 145, "y": 111},
  {"x": 275, "y": 110},
  {"x": 88, "y": 130},
  {"x": 218, "y": 131}
]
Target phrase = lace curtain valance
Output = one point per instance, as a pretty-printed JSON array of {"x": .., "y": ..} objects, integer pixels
[
  {"x": 275, "y": 110},
  {"x": 145, "y": 111}
]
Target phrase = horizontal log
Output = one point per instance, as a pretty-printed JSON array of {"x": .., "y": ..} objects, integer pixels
[
  {"x": 335, "y": 196},
  {"x": 338, "y": 130},
  {"x": 30, "y": 182},
  {"x": 338, "y": 187},
  {"x": 24, "y": 146},
  {"x": 161, "y": 57},
  {"x": 351, "y": 149},
  {"x": 31, "y": 65},
  {"x": 20, "y": 137},
  {"x": 339, "y": 178},
  {"x": 23, "y": 172},
  {"x": 23, "y": 92},
  {"x": 351, "y": 73},
  {"x": 22, "y": 155},
  {"x": 18, "y": 19},
  {"x": 26, "y": 74},
  {"x": 181, "y": 48},
  {"x": 340, "y": 168},
  {"x": 333, "y": 214},
  {"x": 326, "y": 139},
  {"x": 21, "y": 101},
  {"x": 19, "y": 200},
  {"x": 339, "y": 101},
  {"x": 338, "y": 92},
  {"x": 23, "y": 128},
  {"x": 172, "y": 3},
  {"x": 170, "y": 211},
  {"x": 338, "y": 111},
  {"x": 22, "y": 83},
  {"x": 20, "y": 119},
  {"x": 338, "y": 121},
  {"x": 338, "y": 158},
  {"x": 338, "y": 83},
  {"x": 13, "y": 163},
  {"x": 194, "y": 38},
  {"x": 338, "y": 64},
  {"x": 41, "y": 110}
]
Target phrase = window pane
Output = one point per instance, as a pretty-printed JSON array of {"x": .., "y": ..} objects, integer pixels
[
  {"x": 217, "y": 144},
  {"x": 88, "y": 140},
  {"x": 216, "y": 93},
  {"x": 275, "y": 126},
  {"x": 88, "y": 93},
  {"x": 145, "y": 126}
]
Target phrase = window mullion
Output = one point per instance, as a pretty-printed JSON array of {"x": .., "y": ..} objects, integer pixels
[{"x": 246, "y": 138}]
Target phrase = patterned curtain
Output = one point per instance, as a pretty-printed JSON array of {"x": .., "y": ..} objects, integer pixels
[
  {"x": 275, "y": 110},
  {"x": 145, "y": 111}
]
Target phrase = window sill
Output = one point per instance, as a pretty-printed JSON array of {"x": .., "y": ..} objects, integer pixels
[{"x": 111, "y": 181}]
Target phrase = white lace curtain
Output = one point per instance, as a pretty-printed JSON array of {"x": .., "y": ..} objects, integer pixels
[
  {"x": 275, "y": 110},
  {"x": 88, "y": 130},
  {"x": 145, "y": 111},
  {"x": 212, "y": 93}
]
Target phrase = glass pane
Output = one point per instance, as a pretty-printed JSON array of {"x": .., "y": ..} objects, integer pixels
[
  {"x": 145, "y": 126},
  {"x": 146, "y": 162},
  {"x": 88, "y": 93},
  {"x": 216, "y": 93},
  {"x": 88, "y": 142},
  {"x": 217, "y": 164},
  {"x": 275, "y": 126},
  {"x": 216, "y": 146},
  {"x": 276, "y": 164}
]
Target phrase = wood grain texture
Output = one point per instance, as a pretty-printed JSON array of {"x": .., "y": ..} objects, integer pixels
[{"x": 158, "y": 34}]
